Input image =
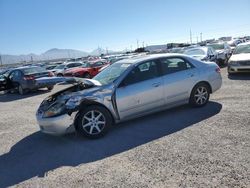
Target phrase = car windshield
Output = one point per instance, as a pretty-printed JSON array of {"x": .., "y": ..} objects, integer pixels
[
  {"x": 60, "y": 66},
  {"x": 217, "y": 46},
  {"x": 33, "y": 70},
  {"x": 111, "y": 73},
  {"x": 195, "y": 52},
  {"x": 242, "y": 49}
]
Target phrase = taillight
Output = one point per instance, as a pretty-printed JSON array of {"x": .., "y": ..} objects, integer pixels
[
  {"x": 217, "y": 70},
  {"x": 51, "y": 74},
  {"x": 29, "y": 78}
]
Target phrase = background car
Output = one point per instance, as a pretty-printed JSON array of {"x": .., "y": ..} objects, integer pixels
[
  {"x": 240, "y": 59},
  {"x": 24, "y": 79},
  {"x": 87, "y": 70},
  {"x": 223, "y": 51},
  {"x": 128, "y": 89},
  {"x": 202, "y": 53},
  {"x": 61, "y": 69}
]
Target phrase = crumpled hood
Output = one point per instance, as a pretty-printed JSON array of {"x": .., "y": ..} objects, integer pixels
[
  {"x": 240, "y": 57},
  {"x": 81, "y": 87}
]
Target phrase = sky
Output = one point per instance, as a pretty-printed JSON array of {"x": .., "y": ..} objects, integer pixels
[{"x": 35, "y": 26}]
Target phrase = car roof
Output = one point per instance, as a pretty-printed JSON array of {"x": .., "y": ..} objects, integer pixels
[
  {"x": 25, "y": 67},
  {"x": 138, "y": 59}
]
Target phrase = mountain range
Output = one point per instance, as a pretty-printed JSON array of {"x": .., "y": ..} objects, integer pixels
[{"x": 51, "y": 54}]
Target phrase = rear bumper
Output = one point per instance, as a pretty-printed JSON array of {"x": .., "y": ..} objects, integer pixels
[{"x": 235, "y": 69}]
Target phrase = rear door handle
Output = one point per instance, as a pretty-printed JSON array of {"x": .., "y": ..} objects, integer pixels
[
  {"x": 156, "y": 84},
  {"x": 191, "y": 74}
]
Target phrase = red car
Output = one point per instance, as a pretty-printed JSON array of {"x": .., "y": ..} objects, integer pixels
[{"x": 88, "y": 70}]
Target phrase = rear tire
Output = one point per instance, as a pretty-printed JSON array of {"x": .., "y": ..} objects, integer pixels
[
  {"x": 200, "y": 95},
  {"x": 21, "y": 91},
  {"x": 93, "y": 122}
]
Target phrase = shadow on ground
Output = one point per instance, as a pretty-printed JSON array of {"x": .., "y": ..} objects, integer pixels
[
  {"x": 39, "y": 153},
  {"x": 8, "y": 97}
]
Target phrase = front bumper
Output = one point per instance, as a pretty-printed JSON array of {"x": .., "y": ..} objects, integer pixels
[
  {"x": 238, "y": 68},
  {"x": 57, "y": 125}
]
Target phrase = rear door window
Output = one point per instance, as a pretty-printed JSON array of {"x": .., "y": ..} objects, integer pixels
[{"x": 172, "y": 65}]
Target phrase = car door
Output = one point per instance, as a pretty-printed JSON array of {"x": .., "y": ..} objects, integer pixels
[
  {"x": 141, "y": 90},
  {"x": 15, "y": 78},
  {"x": 179, "y": 77}
]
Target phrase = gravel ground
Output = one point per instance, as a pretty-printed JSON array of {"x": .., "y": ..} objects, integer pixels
[{"x": 181, "y": 147}]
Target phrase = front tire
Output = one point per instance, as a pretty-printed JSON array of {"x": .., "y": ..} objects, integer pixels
[
  {"x": 93, "y": 122},
  {"x": 200, "y": 95}
]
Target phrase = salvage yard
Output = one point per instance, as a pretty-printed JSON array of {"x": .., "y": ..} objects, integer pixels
[{"x": 181, "y": 147}]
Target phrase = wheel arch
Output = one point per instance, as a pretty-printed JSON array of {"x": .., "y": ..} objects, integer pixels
[
  {"x": 87, "y": 103},
  {"x": 204, "y": 82}
]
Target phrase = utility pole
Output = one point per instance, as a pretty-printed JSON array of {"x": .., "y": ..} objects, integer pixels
[
  {"x": 201, "y": 36},
  {"x": 107, "y": 52},
  {"x": 1, "y": 62},
  {"x": 190, "y": 36},
  {"x": 137, "y": 43}
]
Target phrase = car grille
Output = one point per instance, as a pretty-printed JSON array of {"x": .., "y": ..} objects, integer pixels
[{"x": 244, "y": 63}]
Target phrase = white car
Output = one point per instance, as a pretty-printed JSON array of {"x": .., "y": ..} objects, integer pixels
[
  {"x": 60, "y": 69},
  {"x": 240, "y": 59},
  {"x": 223, "y": 51},
  {"x": 202, "y": 53}
]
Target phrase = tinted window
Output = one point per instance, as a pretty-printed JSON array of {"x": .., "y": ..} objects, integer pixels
[
  {"x": 15, "y": 75},
  {"x": 142, "y": 72},
  {"x": 172, "y": 65},
  {"x": 71, "y": 65},
  {"x": 78, "y": 64}
]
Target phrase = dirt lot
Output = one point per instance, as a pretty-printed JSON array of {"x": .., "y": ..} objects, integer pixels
[{"x": 182, "y": 147}]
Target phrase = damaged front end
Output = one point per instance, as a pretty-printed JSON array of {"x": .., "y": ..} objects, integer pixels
[{"x": 57, "y": 112}]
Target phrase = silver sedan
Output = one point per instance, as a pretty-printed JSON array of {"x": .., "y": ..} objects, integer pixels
[{"x": 128, "y": 89}]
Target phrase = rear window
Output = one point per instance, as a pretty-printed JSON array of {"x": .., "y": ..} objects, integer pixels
[{"x": 33, "y": 70}]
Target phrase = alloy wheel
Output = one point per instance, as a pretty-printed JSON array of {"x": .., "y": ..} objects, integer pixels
[
  {"x": 93, "y": 122},
  {"x": 201, "y": 95}
]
